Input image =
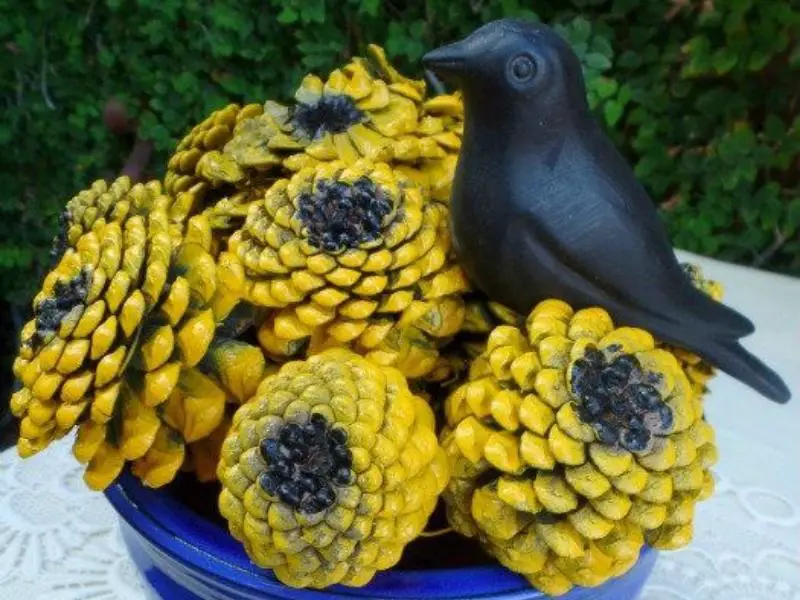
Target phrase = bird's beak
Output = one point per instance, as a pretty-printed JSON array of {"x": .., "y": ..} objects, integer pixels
[{"x": 447, "y": 60}]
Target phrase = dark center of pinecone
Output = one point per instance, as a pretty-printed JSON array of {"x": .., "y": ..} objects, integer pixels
[
  {"x": 59, "y": 245},
  {"x": 51, "y": 311},
  {"x": 305, "y": 463},
  {"x": 332, "y": 113},
  {"x": 339, "y": 215},
  {"x": 619, "y": 400}
]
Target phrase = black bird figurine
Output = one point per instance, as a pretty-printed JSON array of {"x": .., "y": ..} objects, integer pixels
[{"x": 544, "y": 206}]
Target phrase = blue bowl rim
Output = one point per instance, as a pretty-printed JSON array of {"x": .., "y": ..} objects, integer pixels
[{"x": 180, "y": 533}]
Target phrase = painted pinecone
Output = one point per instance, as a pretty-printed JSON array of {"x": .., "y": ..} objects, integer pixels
[
  {"x": 364, "y": 110},
  {"x": 192, "y": 168},
  {"x": 104, "y": 202},
  {"x": 442, "y": 121},
  {"x": 573, "y": 443},
  {"x": 355, "y": 113},
  {"x": 119, "y": 330},
  {"x": 350, "y": 256},
  {"x": 699, "y": 371},
  {"x": 330, "y": 470},
  {"x": 202, "y": 456},
  {"x": 238, "y": 368},
  {"x": 481, "y": 316}
]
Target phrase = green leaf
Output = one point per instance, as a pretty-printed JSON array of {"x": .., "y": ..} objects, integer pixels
[
  {"x": 605, "y": 87},
  {"x": 625, "y": 94},
  {"x": 288, "y": 16},
  {"x": 370, "y": 7},
  {"x": 597, "y": 61},
  {"x": 724, "y": 60},
  {"x": 612, "y": 112},
  {"x": 185, "y": 82},
  {"x": 580, "y": 30},
  {"x": 794, "y": 57},
  {"x": 792, "y": 219},
  {"x": 774, "y": 127},
  {"x": 758, "y": 60}
]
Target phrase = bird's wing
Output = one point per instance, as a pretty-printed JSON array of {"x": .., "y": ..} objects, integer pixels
[{"x": 605, "y": 258}]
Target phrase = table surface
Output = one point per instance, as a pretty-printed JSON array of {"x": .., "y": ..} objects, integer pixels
[{"x": 60, "y": 541}]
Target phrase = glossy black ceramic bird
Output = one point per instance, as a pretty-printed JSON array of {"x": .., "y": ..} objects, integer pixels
[{"x": 544, "y": 206}]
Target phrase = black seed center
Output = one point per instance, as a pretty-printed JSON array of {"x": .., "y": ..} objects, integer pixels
[
  {"x": 332, "y": 113},
  {"x": 339, "y": 215},
  {"x": 51, "y": 311},
  {"x": 306, "y": 463},
  {"x": 619, "y": 400},
  {"x": 59, "y": 245}
]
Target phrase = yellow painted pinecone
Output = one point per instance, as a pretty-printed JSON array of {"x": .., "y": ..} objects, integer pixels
[
  {"x": 350, "y": 256},
  {"x": 202, "y": 456},
  {"x": 573, "y": 443},
  {"x": 104, "y": 202},
  {"x": 190, "y": 170},
  {"x": 442, "y": 121},
  {"x": 702, "y": 283},
  {"x": 120, "y": 327},
  {"x": 353, "y": 114},
  {"x": 330, "y": 470},
  {"x": 364, "y": 110},
  {"x": 238, "y": 368},
  {"x": 699, "y": 371},
  {"x": 481, "y": 316}
]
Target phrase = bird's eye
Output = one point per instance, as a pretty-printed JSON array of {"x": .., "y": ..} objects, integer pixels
[{"x": 522, "y": 68}]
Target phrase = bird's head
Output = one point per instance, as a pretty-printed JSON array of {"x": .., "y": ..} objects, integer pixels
[{"x": 519, "y": 66}]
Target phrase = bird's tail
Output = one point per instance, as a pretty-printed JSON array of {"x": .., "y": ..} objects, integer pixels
[{"x": 730, "y": 356}]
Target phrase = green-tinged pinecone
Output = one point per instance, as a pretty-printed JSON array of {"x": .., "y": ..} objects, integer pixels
[
  {"x": 330, "y": 470},
  {"x": 207, "y": 138},
  {"x": 573, "y": 443},
  {"x": 365, "y": 110}
]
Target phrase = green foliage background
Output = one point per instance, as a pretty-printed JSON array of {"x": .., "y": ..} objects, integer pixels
[{"x": 702, "y": 95}]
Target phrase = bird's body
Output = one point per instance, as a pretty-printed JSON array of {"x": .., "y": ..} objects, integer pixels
[{"x": 544, "y": 206}]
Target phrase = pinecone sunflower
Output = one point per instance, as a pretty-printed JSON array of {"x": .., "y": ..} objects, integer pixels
[
  {"x": 330, "y": 470},
  {"x": 119, "y": 329},
  {"x": 365, "y": 110},
  {"x": 350, "y": 256},
  {"x": 360, "y": 111},
  {"x": 572, "y": 444}
]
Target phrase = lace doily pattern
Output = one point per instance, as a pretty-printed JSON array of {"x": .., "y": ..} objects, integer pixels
[
  {"x": 747, "y": 541},
  {"x": 58, "y": 540}
]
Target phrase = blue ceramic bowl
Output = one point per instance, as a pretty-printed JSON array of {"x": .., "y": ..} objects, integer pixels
[{"x": 183, "y": 556}]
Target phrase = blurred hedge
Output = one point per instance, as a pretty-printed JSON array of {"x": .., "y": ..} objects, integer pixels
[{"x": 701, "y": 94}]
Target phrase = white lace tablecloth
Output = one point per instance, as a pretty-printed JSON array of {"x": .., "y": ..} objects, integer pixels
[{"x": 60, "y": 542}]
